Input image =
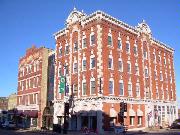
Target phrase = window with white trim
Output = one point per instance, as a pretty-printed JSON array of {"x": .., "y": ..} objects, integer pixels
[
  {"x": 75, "y": 46},
  {"x": 67, "y": 49},
  {"x": 146, "y": 72},
  {"x": 121, "y": 88},
  {"x": 111, "y": 86},
  {"x": 137, "y": 90},
  {"x": 60, "y": 72},
  {"x": 145, "y": 54},
  {"x": 164, "y": 60},
  {"x": 92, "y": 62},
  {"x": 128, "y": 67},
  {"x": 84, "y": 64},
  {"x": 110, "y": 62},
  {"x": 155, "y": 75},
  {"x": 75, "y": 69},
  {"x": 120, "y": 65},
  {"x": 157, "y": 93},
  {"x": 161, "y": 76},
  {"x": 92, "y": 39},
  {"x": 75, "y": 88},
  {"x": 135, "y": 50},
  {"x": 130, "y": 89},
  {"x": 119, "y": 44},
  {"x": 136, "y": 69},
  {"x": 127, "y": 47},
  {"x": 93, "y": 86},
  {"x": 110, "y": 40},
  {"x": 154, "y": 57},
  {"x": 84, "y": 88},
  {"x": 84, "y": 43}
]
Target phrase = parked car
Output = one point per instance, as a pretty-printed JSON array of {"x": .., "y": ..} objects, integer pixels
[
  {"x": 175, "y": 124},
  {"x": 9, "y": 124}
]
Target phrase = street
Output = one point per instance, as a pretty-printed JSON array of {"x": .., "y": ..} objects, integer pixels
[{"x": 30, "y": 132}]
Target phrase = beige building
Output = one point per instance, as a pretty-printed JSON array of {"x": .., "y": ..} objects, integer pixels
[{"x": 12, "y": 101}]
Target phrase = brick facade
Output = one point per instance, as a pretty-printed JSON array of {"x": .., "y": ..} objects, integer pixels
[
  {"x": 133, "y": 67},
  {"x": 32, "y": 83}
]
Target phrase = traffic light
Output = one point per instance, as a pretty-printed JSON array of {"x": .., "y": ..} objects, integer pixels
[
  {"x": 125, "y": 107},
  {"x": 122, "y": 107},
  {"x": 66, "y": 108}
]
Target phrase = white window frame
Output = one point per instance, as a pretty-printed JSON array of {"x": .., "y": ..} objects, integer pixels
[
  {"x": 84, "y": 37},
  {"x": 130, "y": 94},
  {"x": 121, "y": 70},
  {"x": 138, "y": 85},
  {"x": 119, "y": 39},
  {"x": 136, "y": 65},
  {"x": 129, "y": 50},
  {"x": 84, "y": 81},
  {"x": 128, "y": 62},
  {"x": 135, "y": 46},
  {"x": 60, "y": 54},
  {"x": 146, "y": 75},
  {"x": 110, "y": 35},
  {"x": 92, "y": 79},
  {"x": 67, "y": 45},
  {"x": 161, "y": 76},
  {"x": 121, "y": 81},
  {"x": 131, "y": 124},
  {"x": 91, "y": 57},
  {"x": 92, "y": 33},
  {"x": 75, "y": 62},
  {"x": 84, "y": 59},
  {"x": 110, "y": 57},
  {"x": 111, "y": 79}
]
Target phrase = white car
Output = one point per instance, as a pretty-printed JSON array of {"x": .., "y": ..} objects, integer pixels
[{"x": 9, "y": 124}]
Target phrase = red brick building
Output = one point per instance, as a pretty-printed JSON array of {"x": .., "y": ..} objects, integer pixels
[
  {"x": 32, "y": 85},
  {"x": 108, "y": 61}
]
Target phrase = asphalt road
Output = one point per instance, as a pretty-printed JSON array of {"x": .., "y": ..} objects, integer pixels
[{"x": 28, "y": 132}]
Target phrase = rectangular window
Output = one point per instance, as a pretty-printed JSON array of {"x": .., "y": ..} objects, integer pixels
[
  {"x": 121, "y": 88},
  {"x": 145, "y": 54},
  {"x": 84, "y": 43},
  {"x": 154, "y": 57},
  {"x": 127, "y": 47},
  {"x": 135, "y": 50},
  {"x": 110, "y": 40},
  {"x": 93, "y": 62},
  {"x": 84, "y": 85},
  {"x": 75, "y": 68},
  {"x": 139, "y": 120},
  {"x": 136, "y": 70},
  {"x": 161, "y": 77},
  {"x": 119, "y": 44},
  {"x": 130, "y": 90},
  {"x": 93, "y": 86},
  {"x": 165, "y": 61},
  {"x": 157, "y": 94},
  {"x": 110, "y": 63},
  {"x": 75, "y": 46},
  {"x": 111, "y": 87},
  {"x": 84, "y": 64},
  {"x": 67, "y": 49},
  {"x": 60, "y": 54},
  {"x": 137, "y": 90},
  {"x": 92, "y": 39},
  {"x": 120, "y": 65},
  {"x": 75, "y": 89},
  {"x": 146, "y": 72},
  {"x": 131, "y": 120},
  {"x": 129, "y": 68}
]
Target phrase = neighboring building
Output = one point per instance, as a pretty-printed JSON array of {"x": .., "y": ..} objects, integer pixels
[
  {"x": 32, "y": 85},
  {"x": 12, "y": 101},
  {"x": 108, "y": 61},
  {"x": 4, "y": 103},
  {"x": 49, "y": 109}
]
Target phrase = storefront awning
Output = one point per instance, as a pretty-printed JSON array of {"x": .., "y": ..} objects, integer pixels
[
  {"x": 139, "y": 112},
  {"x": 132, "y": 112}
]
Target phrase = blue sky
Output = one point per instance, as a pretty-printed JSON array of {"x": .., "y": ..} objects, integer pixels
[{"x": 27, "y": 22}]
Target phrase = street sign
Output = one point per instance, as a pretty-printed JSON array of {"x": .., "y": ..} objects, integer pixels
[{"x": 62, "y": 84}]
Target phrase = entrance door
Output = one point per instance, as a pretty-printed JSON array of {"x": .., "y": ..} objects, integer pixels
[
  {"x": 93, "y": 122},
  {"x": 74, "y": 123},
  {"x": 84, "y": 121}
]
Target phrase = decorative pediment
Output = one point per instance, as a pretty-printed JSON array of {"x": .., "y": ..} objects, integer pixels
[
  {"x": 143, "y": 27},
  {"x": 75, "y": 16}
]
